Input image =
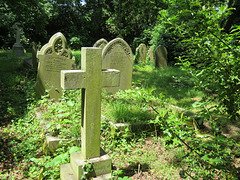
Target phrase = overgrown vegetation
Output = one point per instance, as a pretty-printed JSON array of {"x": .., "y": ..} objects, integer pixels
[
  {"x": 171, "y": 145},
  {"x": 155, "y": 140}
]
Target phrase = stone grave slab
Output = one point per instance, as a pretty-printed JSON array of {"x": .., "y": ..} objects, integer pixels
[
  {"x": 160, "y": 57},
  {"x": 141, "y": 53},
  {"x": 117, "y": 54},
  {"x": 91, "y": 78},
  {"x": 101, "y": 43},
  {"x": 53, "y": 57}
]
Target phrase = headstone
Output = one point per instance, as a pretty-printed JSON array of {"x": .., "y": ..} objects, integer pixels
[
  {"x": 17, "y": 47},
  {"x": 117, "y": 54},
  {"x": 150, "y": 54},
  {"x": 141, "y": 53},
  {"x": 90, "y": 79},
  {"x": 160, "y": 57},
  {"x": 34, "y": 56},
  {"x": 53, "y": 57},
  {"x": 101, "y": 43}
]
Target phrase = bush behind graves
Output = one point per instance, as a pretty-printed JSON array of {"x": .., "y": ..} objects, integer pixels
[
  {"x": 214, "y": 61},
  {"x": 197, "y": 39}
]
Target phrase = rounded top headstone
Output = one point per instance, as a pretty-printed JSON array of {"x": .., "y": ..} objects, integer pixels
[
  {"x": 160, "y": 57},
  {"x": 117, "y": 42},
  {"x": 101, "y": 43}
]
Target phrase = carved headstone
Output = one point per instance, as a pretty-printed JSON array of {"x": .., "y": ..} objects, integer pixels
[
  {"x": 141, "y": 53},
  {"x": 117, "y": 54},
  {"x": 160, "y": 57},
  {"x": 91, "y": 78},
  {"x": 101, "y": 43},
  {"x": 53, "y": 57},
  {"x": 17, "y": 47}
]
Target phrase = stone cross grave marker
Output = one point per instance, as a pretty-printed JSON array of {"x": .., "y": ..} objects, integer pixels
[
  {"x": 160, "y": 57},
  {"x": 53, "y": 57},
  {"x": 117, "y": 54},
  {"x": 90, "y": 79},
  {"x": 17, "y": 47},
  {"x": 141, "y": 53},
  {"x": 101, "y": 43}
]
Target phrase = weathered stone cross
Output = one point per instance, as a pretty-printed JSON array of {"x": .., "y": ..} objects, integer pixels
[{"x": 91, "y": 79}]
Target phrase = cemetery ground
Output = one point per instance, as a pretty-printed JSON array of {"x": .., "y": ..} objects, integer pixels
[{"x": 143, "y": 130}]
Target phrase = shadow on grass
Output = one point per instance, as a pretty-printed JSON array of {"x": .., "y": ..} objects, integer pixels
[
  {"x": 171, "y": 82},
  {"x": 16, "y": 88},
  {"x": 135, "y": 168},
  {"x": 8, "y": 155}
]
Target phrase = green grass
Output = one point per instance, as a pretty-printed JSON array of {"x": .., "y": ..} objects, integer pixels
[{"x": 175, "y": 84}]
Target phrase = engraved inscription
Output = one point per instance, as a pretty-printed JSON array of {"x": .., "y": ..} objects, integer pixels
[{"x": 55, "y": 64}]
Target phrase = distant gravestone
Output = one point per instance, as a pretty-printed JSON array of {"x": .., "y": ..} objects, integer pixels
[
  {"x": 91, "y": 78},
  {"x": 53, "y": 57},
  {"x": 141, "y": 53},
  {"x": 160, "y": 57},
  {"x": 101, "y": 43},
  {"x": 17, "y": 47},
  {"x": 150, "y": 54},
  {"x": 117, "y": 54}
]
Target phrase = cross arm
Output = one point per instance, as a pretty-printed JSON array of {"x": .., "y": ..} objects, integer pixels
[{"x": 73, "y": 79}]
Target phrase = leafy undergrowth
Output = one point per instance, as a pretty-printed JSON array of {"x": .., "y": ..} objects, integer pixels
[{"x": 169, "y": 146}]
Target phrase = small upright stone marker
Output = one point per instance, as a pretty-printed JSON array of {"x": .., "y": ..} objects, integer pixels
[
  {"x": 53, "y": 57},
  {"x": 117, "y": 54},
  {"x": 101, "y": 43},
  {"x": 90, "y": 79},
  {"x": 17, "y": 47},
  {"x": 141, "y": 53},
  {"x": 160, "y": 57},
  {"x": 150, "y": 54}
]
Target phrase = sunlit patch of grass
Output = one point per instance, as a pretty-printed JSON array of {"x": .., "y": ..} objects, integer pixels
[{"x": 174, "y": 83}]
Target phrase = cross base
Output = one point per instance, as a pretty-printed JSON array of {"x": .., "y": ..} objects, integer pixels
[
  {"x": 18, "y": 49},
  {"x": 73, "y": 171}
]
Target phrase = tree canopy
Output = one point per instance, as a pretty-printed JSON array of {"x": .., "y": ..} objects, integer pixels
[{"x": 84, "y": 22}]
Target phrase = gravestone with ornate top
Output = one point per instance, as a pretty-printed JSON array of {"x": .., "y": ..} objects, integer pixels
[
  {"x": 90, "y": 79},
  {"x": 117, "y": 54},
  {"x": 53, "y": 57}
]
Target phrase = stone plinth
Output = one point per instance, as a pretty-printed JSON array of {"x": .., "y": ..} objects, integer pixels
[
  {"x": 18, "y": 49},
  {"x": 101, "y": 167}
]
